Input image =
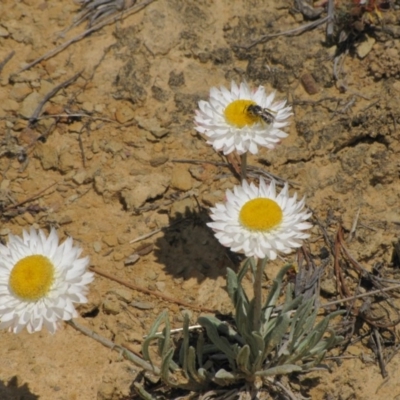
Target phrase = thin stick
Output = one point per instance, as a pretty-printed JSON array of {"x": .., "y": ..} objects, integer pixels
[
  {"x": 108, "y": 343},
  {"x": 6, "y": 60},
  {"x": 108, "y": 21},
  {"x": 331, "y": 18},
  {"x": 49, "y": 95},
  {"x": 354, "y": 226},
  {"x": 150, "y": 292},
  {"x": 359, "y": 296},
  {"x": 380, "y": 354},
  {"x": 257, "y": 287},
  {"x": 34, "y": 197},
  {"x": 243, "y": 166},
  {"x": 290, "y": 32},
  {"x": 147, "y": 235}
]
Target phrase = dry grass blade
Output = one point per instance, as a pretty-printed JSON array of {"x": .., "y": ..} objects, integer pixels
[{"x": 108, "y": 21}]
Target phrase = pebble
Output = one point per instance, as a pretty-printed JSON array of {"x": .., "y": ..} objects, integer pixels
[
  {"x": 132, "y": 259},
  {"x": 112, "y": 146},
  {"x": 20, "y": 91},
  {"x": 142, "y": 305},
  {"x": 26, "y": 76},
  {"x": 97, "y": 246},
  {"x": 211, "y": 199},
  {"x": 29, "y": 105},
  {"x": 122, "y": 294},
  {"x": 4, "y": 32},
  {"x": 111, "y": 306},
  {"x": 124, "y": 114},
  {"x": 105, "y": 391},
  {"x": 152, "y": 275},
  {"x": 309, "y": 83},
  {"x": 110, "y": 240},
  {"x": 160, "y": 286},
  {"x": 182, "y": 207},
  {"x": 153, "y": 126},
  {"x": 81, "y": 177},
  {"x": 47, "y": 155},
  {"x": 157, "y": 161},
  {"x": 9, "y": 105},
  {"x": 144, "y": 249},
  {"x": 118, "y": 255},
  {"x": 66, "y": 219},
  {"x": 181, "y": 179},
  {"x": 66, "y": 162},
  {"x": 365, "y": 47}
]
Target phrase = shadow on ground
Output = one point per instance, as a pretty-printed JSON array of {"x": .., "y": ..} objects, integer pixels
[
  {"x": 12, "y": 391},
  {"x": 189, "y": 248}
]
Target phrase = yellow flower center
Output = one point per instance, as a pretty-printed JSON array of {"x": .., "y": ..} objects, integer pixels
[
  {"x": 236, "y": 113},
  {"x": 32, "y": 277},
  {"x": 260, "y": 214}
]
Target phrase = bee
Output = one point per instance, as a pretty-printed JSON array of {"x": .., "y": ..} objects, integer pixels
[{"x": 265, "y": 114}]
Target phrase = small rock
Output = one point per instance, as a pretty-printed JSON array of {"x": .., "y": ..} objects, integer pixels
[
  {"x": 110, "y": 240},
  {"x": 66, "y": 162},
  {"x": 81, "y": 177},
  {"x": 4, "y": 32},
  {"x": 210, "y": 199},
  {"x": 105, "y": 391},
  {"x": 157, "y": 161},
  {"x": 118, "y": 255},
  {"x": 182, "y": 207},
  {"x": 111, "y": 306},
  {"x": 75, "y": 127},
  {"x": 65, "y": 219},
  {"x": 112, "y": 146},
  {"x": 47, "y": 155},
  {"x": 122, "y": 294},
  {"x": 144, "y": 249},
  {"x": 97, "y": 246},
  {"x": 9, "y": 105},
  {"x": 181, "y": 179},
  {"x": 26, "y": 76},
  {"x": 365, "y": 46},
  {"x": 160, "y": 286},
  {"x": 142, "y": 305},
  {"x": 87, "y": 106},
  {"x": 95, "y": 146},
  {"x": 124, "y": 114},
  {"x": 30, "y": 104},
  {"x": 152, "y": 275},
  {"x": 132, "y": 259},
  {"x": 136, "y": 196},
  {"x": 153, "y": 126},
  {"x": 20, "y": 91}
]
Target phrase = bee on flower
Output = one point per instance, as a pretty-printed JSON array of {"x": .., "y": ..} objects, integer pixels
[{"x": 242, "y": 120}]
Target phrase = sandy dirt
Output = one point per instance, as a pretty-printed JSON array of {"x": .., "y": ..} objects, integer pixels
[{"x": 101, "y": 166}]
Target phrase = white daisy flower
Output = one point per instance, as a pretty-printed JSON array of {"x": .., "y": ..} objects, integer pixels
[
  {"x": 258, "y": 222},
  {"x": 40, "y": 280},
  {"x": 241, "y": 119}
]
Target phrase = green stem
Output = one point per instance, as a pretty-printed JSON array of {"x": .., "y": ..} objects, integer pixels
[
  {"x": 243, "y": 166},
  {"x": 258, "y": 295}
]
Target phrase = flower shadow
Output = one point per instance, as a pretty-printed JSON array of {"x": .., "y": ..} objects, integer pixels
[
  {"x": 12, "y": 390},
  {"x": 188, "y": 248}
]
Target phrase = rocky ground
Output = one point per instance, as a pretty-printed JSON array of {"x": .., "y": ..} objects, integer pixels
[{"x": 111, "y": 156}]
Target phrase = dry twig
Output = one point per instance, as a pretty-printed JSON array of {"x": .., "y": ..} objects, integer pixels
[
  {"x": 150, "y": 292},
  {"x": 108, "y": 21}
]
